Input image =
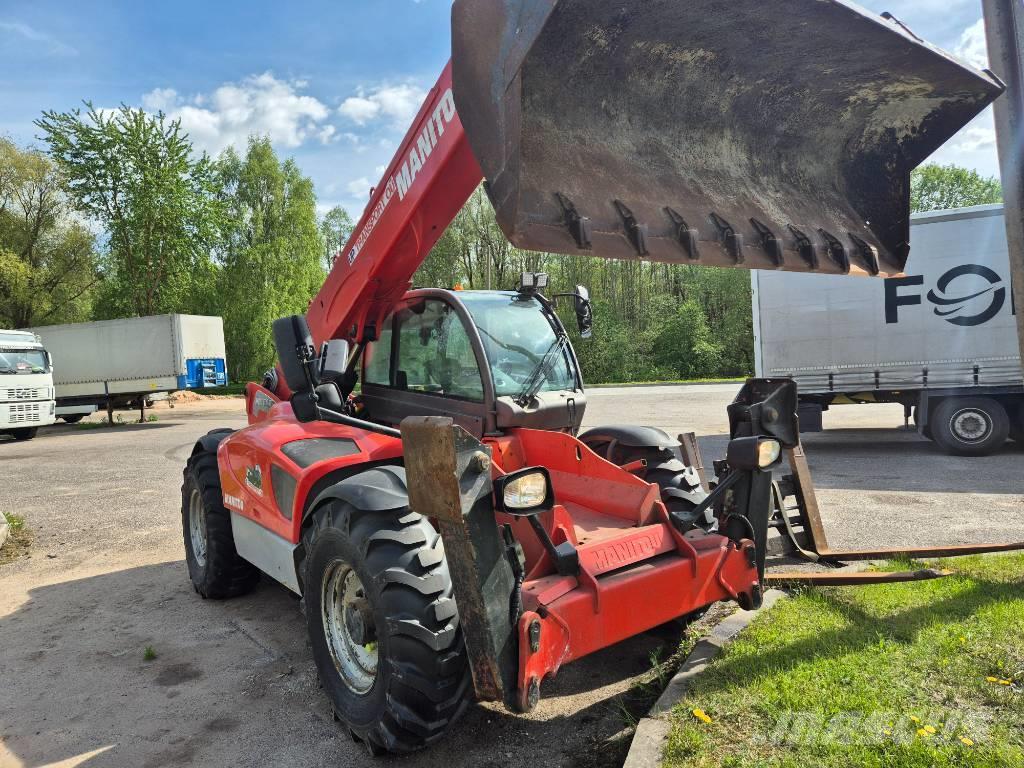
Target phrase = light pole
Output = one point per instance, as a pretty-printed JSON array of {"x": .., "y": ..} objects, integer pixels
[{"x": 1004, "y": 30}]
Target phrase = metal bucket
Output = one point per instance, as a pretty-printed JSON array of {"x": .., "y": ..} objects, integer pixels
[{"x": 766, "y": 135}]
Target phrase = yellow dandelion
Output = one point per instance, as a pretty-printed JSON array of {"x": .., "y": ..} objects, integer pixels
[
  {"x": 701, "y": 715},
  {"x": 1006, "y": 682},
  {"x": 887, "y": 731},
  {"x": 922, "y": 732},
  {"x": 929, "y": 728},
  {"x": 915, "y": 719},
  {"x": 992, "y": 679},
  {"x": 966, "y": 742},
  {"x": 963, "y": 639}
]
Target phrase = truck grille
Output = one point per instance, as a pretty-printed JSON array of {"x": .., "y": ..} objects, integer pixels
[
  {"x": 25, "y": 393},
  {"x": 24, "y": 413}
]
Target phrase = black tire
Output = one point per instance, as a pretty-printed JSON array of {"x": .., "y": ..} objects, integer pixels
[
  {"x": 221, "y": 573},
  {"x": 970, "y": 426},
  {"x": 26, "y": 433},
  {"x": 421, "y": 683},
  {"x": 73, "y": 418},
  {"x": 1017, "y": 423}
]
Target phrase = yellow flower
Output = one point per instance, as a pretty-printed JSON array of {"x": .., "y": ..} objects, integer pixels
[
  {"x": 701, "y": 715},
  {"x": 1006, "y": 682},
  {"x": 915, "y": 719},
  {"x": 929, "y": 728},
  {"x": 922, "y": 732},
  {"x": 966, "y": 742},
  {"x": 887, "y": 731},
  {"x": 992, "y": 679},
  {"x": 963, "y": 639}
]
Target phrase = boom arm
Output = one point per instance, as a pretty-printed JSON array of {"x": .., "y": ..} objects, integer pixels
[{"x": 430, "y": 178}]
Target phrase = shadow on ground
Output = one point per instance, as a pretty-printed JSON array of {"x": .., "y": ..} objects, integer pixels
[{"x": 233, "y": 684}]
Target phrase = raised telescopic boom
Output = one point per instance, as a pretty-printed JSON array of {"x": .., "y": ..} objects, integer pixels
[{"x": 763, "y": 135}]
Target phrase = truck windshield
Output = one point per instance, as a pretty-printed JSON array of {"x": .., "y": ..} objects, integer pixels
[
  {"x": 23, "y": 361},
  {"x": 516, "y": 336}
]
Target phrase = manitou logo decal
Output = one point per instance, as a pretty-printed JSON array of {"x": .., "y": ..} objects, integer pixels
[
  {"x": 958, "y": 297},
  {"x": 254, "y": 479},
  {"x": 233, "y": 502},
  {"x": 415, "y": 161}
]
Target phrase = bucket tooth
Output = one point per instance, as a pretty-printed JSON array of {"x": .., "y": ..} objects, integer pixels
[
  {"x": 805, "y": 248},
  {"x": 836, "y": 250},
  {"x": 771, "y": 244},
  {"x": 868, "y": 254},
  {"x": 635, "y": 231},
  {"x": 579, "y": 226},
  {"x": 687, "y": 236},
  {"x": 731, "y": 240}
]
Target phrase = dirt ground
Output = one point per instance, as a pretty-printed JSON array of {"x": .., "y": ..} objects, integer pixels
[{"x": 233, "y": 684}]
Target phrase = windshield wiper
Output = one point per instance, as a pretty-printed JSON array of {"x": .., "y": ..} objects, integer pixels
[{"x": 539, "y": 374}]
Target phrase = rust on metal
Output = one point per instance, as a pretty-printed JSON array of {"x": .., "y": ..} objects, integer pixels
[
  {"x": 692, "y": 457},
  {"x": 450, "y": 481},
  {"x": 804, "y": 116},
  {"x": 844, "y": 579}
]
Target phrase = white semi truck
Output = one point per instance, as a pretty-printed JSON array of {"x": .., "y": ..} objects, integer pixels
[
  {"x": 941, "y": 340},
  {"x": 26, "y": 385}
]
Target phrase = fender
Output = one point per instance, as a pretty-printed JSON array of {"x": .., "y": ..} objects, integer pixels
[
  {"x": 212, "y": 440},
  {"x": 376, "y": 490}
]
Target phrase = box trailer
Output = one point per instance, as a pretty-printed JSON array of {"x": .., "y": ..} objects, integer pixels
[
  {"x": 114, "y": 363},
  {"x": 941, "y": 340}
]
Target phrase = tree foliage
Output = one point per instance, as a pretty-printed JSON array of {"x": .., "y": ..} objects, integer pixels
[
  {"x": 335, "y": 229},
  {"x": 135, "y": 175},
  {"x": 652, "y": 321},
  {"x": 936, "y": 187},
  {"x": 48, "y": 264},
  {"x": 271, "y": 256}
]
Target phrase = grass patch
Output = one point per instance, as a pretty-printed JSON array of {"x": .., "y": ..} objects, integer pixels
[
  {"x": 19, "y": 539},
  {"x": 149, "y": 654},
  {"x": 924, "y": 674},
  {"x": 668, "y": 382},
  {"x": 231, "y": 390}
]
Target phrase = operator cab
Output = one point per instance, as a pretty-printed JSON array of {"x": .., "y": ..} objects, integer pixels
[{"x": 491, "y": 360}]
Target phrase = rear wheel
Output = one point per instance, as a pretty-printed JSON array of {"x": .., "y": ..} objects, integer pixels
[
  {"x": 970, "y": 426},
  {"x": 73, "y": 418},
  {"x": 24, "y": 434},
  {"x": 1017, "y": 423},
  {"x": 214, "y": 566},
  {"x": 383, "y": 625}
]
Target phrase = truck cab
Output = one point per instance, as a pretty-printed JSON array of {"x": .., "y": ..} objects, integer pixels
[{"x": 26, "y": 385}]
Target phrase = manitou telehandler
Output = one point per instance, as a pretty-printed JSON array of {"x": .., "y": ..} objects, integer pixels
[{"x": 472, "y": 552}]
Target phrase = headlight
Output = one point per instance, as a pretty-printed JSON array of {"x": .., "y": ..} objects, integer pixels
[
  {"x": 768, "y": 452},
  {"x": 749, "y": 453},
  {"x": 525, "y": 492}
]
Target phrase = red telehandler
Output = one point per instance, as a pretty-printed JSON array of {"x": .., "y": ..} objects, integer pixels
[{"x": 450, "y": 533}]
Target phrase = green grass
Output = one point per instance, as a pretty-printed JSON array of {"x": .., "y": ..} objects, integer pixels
[
  {"x": 19, "y": 539},
  {"x": 836, "y": 677},
  {"x": 668, "y": 382},
  {"x": 229, "y": 391},
  {"x": 149, "y": 654}
]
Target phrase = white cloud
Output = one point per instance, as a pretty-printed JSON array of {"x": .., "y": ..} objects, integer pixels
[
  {"x": 360, "y": 188},
  {"x": 975, "y": 138},
  {"x": 257, "y": 105},
  {"x": 40, "y": 40},
  {"x": 972, "y": 47},
  {"x": 397, "y": 103}
]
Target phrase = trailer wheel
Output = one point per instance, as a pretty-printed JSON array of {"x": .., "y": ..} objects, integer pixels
[
  {"x": 1017, "y": 424},
  {"x": 383, "y": 625},
  {"x": 73, "y": 418},
  {"x": 970, "y": 426},
  {"x": 214, "y": 566},
  {"x": 26, "y": 433}
]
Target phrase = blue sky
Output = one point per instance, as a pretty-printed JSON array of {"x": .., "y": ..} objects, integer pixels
[{"x": 334, "y": 84}]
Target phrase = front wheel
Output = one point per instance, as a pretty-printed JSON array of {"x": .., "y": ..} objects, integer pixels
[
  {"x": 383, "y": 625},
  {"x": 24, "y": 434},
  {"x": 970, "y": 426},
  {"x": 214, "y": 566}
]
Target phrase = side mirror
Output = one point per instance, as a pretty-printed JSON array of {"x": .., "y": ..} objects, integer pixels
[
  {"x": 333, "y": 360},
  {"x": 524, "y": 493},
  {"x": 584, "y": 312},
  {"x": 296, "y": 353}
]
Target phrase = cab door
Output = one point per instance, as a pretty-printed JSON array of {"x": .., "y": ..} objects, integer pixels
[{"x": 427, "y": 362}]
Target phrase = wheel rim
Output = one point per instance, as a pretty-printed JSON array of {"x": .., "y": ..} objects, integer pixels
[
  {"x": 343, "y": 602},
  {"x": 197, "y": 527},
  {"x": 970, "y": 425}
]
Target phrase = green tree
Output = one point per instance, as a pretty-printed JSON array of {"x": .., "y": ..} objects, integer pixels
[
  {"x": 272, "y": 254},
  {"x": 335, "y": 229},
  {"x": 936, "y": 187},
  {"x": 48, "y": 264},
  {"x": 135, "y": 174}
]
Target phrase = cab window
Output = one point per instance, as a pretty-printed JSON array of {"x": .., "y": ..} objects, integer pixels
[{"x": 432, "y": 353}]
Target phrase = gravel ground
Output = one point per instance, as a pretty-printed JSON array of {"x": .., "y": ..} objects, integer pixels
[{"x": 233, "y": 682}]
